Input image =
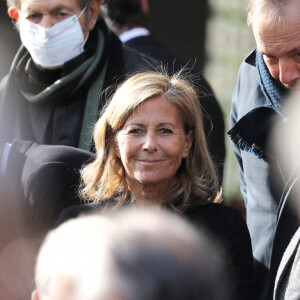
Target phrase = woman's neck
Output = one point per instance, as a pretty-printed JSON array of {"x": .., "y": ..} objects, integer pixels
[{"x": 149, "y": 194}]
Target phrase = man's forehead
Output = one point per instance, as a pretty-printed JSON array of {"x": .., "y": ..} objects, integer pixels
[
  {"x": 48, "y": 4},
  {"x": 278, "y": 47},
  {"x": 274, "y": 35}
]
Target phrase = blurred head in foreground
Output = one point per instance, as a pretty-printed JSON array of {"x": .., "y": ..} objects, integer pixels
[
  {"x": 129, "y": 255},
  {"x": 286, "y": 142}
]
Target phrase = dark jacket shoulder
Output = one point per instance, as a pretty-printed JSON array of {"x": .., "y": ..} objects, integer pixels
[
  {"x": 135, "y": 61},
  {"x": 149, "y": 46},
  {"x": 227, "y": 225},
  {"x": 228, "y": 230},
  {"x": 222, "y": 220},
  {"x": 78, "y": 210},
  {"x": 44, "y": 179}
]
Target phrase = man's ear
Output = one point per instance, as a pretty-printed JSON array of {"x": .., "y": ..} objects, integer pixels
[
  {"x": 35, "y": 295},
  {"x": 13, "y": 13},
  {"x": 144, "y": 6},
  {"x": 94, "y": 11}
]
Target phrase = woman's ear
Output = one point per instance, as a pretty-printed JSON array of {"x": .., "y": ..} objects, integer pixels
[
  {"x": 189, "y": 138},
  {"x": 13, "y": 13},
  {"x": 117, "y": 149}
]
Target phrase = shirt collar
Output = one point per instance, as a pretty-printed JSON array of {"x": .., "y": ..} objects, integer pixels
[{"x": 133, "y": 33}]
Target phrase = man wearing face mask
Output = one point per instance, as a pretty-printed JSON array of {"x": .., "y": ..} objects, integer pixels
[{"x": 67, "y": 58}]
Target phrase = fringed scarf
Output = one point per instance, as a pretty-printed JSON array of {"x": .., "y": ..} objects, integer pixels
[{"x": 251, "y": 132}]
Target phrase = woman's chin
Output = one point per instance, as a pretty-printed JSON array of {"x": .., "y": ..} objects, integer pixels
[{"x": 151, "y": 180}]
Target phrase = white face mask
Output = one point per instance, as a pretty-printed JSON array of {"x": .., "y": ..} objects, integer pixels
[{"x": 54, "y": 46}]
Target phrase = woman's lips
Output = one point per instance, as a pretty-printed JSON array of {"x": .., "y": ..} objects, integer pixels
[{"x": 149, "y": 162}]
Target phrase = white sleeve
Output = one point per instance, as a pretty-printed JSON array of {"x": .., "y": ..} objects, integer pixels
[{"x": 4, "y": 158}]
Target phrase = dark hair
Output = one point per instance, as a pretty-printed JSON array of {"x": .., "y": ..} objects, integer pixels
[{"x": 120, "y": 13}]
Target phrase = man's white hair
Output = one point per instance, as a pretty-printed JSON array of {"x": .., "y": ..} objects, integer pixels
[
  {"x": 130, "y": 254},
  {"x": 271, "y": 10}
]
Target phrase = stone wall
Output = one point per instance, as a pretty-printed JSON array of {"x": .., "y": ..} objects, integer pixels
[{"x": 228, "y": 41}]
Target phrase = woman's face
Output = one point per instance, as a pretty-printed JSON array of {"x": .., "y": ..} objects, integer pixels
[{"x": 152, "y": 142}]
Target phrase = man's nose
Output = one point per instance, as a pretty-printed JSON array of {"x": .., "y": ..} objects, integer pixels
[
  {"x": 288, "y": 71},
  {"x": 46, "y": 22},
  {"x": 150, "y": 142}
]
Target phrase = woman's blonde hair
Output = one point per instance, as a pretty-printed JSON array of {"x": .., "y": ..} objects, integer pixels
[{"x": 196, "y": 180}]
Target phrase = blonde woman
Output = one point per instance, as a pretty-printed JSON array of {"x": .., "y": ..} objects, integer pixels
[{"x": 151, "y": 151}]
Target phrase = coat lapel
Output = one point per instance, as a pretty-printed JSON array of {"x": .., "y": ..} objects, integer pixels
[
  {"x": 286, "y": 263},
  {"x": 287, "y": 225}
]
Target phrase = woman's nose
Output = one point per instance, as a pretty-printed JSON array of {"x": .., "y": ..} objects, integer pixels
[{"x": 150, "y": 142}]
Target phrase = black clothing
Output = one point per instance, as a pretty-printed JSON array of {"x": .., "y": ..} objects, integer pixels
[
  {"x": 224, "y": 224},
  {"x": 42, "y": 180},
  {"x": 151, "y": 47}
]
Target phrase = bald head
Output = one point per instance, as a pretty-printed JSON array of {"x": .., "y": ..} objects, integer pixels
[
  {"x": 276, "y": 29},
  {"x": 266, "y": 8},
  {"x": 131, "y": 254}
]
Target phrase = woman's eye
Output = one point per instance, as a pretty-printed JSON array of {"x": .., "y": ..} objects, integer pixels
[
  {"x": 165, "y": 131},
  {"x": 135, "y": 131}
]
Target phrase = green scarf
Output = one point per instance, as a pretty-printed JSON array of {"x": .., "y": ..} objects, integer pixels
[{"x": 81, "y": 75}]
